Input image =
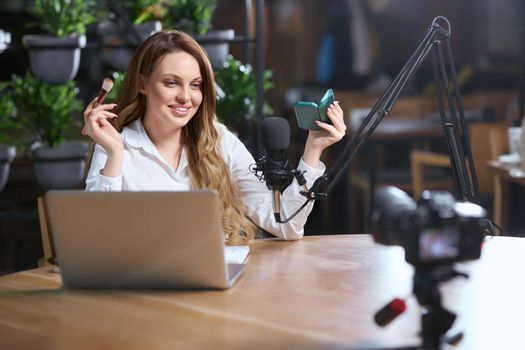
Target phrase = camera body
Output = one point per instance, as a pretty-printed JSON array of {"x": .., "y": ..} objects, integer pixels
[{"x": 436, "y": 231}]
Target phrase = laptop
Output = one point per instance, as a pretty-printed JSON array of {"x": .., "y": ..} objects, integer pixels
[{"x": 145, "y": 240}]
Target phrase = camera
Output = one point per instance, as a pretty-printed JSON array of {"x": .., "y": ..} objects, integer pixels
[{"x": 435, "y": 231}]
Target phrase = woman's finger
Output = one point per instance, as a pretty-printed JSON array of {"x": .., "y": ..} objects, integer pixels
[
  {"x": 334, "y": 133},
  {"x": 335, "y": 113},
  {"x": 104, "y": 123},
  {"x": 103, "y": 107},
  {"x": 92, "y": 108},
  {"x": 88, "y": 109},
  {"x": 102, "y": 115}
]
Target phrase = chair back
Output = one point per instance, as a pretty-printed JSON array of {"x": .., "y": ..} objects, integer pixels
[
  {"x": 499, "y": 143},
  {"x": 482, "y": 147},
  {"x": 45, "y": 233},
  {"x": 484, "y": 150}
]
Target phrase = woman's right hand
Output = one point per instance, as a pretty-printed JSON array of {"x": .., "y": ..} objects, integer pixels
[{"x": 98, "y": 127}]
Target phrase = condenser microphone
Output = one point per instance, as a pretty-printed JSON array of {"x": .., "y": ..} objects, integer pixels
[{"x": 278, "y": 175}]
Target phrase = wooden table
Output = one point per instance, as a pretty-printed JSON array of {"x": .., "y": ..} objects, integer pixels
[
  {"x": 317, "y": 293},
  {"x": 503, "y": 173}
]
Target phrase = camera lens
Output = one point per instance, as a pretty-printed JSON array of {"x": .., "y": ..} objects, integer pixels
[{"x": 391, "y": 215}]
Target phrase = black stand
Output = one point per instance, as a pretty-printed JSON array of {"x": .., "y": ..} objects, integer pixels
[
  {"x": 435, "y": 319},
  {"x": 453, "y": 120}
]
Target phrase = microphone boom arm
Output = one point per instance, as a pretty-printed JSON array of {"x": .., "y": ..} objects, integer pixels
[{"x": 432, "y": 42}]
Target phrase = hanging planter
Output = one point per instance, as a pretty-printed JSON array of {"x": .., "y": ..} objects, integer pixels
[
  {"x": 7, "y": 154},
  {"x": 193, "y": 17},
  {"x": 7, "y": 130},
  {"x": 217, "y": 45},
  {"x": 54, "y": 60},
  {"x": 47, "y": 112},
  {"x": 5, "y": 40},
  {"x": 62, "y": 167},
  {"x": 119, "y": 44},
  {"x": 55, "y": 57}
]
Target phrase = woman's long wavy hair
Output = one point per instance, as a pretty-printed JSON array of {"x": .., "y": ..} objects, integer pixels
[{"x": 200, "y": 136}]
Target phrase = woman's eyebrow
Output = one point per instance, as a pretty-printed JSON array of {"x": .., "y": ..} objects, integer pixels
[{"x": 177, "y": 76}]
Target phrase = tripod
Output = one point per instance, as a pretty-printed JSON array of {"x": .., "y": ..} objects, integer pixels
[{"x": 435, "y": 319}]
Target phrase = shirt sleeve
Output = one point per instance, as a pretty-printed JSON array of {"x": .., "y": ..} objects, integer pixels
[
  {"x": 257, "y": 198},
  {"x": 95, "y": 181}
]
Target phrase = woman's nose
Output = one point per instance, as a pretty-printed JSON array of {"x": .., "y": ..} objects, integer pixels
[{"x": 183, "y": 94}]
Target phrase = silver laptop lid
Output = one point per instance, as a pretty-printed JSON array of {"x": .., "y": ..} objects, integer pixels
[{"x": 138, "y": 239}]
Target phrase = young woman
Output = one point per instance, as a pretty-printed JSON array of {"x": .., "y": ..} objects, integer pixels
[{"x": 163, "y": 135}]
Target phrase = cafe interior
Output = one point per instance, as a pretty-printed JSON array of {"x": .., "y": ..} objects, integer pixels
[{"x": 298, "y": 49}]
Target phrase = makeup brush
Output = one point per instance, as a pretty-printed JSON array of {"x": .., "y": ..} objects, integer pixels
[{"x": 107, "y": 85}]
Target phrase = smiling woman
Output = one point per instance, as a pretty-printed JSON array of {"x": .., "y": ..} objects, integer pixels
[
  {"x": 173, "y": 96},
  {"x": 163, "y": 135}
]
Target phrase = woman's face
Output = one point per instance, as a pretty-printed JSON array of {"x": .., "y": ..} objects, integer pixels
[{"x": 173, "y": 91}]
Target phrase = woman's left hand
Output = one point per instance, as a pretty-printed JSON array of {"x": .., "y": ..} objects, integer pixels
[{"x": 331, "y": 133}]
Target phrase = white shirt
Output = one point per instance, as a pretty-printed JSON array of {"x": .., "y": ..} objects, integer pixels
[{"x": 144, "y": 169}]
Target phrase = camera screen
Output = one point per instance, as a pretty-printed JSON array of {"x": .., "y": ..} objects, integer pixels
[{"x": 438, "y": 243}]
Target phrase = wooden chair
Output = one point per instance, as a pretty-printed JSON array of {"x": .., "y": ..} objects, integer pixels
[
  {"x": 484, "y": 148},
  {"x": 45, "y": 233},
  {"x": 420, "y": 159},
  {"x": 400, "y": 177},
  {"x": 499, "y": 144}
]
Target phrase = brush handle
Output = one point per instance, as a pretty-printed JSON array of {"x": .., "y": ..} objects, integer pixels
[{"x": 100, "y": 98}]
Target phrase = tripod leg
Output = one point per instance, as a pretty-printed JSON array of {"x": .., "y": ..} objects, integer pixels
[{"x": 436, "y": 321}]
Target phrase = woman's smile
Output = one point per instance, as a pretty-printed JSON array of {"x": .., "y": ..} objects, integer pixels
[{"x": 180, "y": 110}]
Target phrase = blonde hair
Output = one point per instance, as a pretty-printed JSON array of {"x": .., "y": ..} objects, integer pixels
[{"x": 200, "y": 136}]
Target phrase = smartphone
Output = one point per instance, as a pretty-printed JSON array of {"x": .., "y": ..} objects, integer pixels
[{"x": 307, "y": 113}]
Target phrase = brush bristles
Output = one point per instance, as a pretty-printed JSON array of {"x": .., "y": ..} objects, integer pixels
[{"x": 107, "y": 85}]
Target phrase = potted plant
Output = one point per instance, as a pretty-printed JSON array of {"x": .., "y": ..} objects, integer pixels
[
  {"x": 47, "y": 112},
  {"x": 237, "y": 98},
  {"x": 5, "y": 40},
  {"x": 55, "y": 57},
  {"x": 7, "y": 150},
  {"x": 239, "y": 92},
  {"x": 194, "y": 17},
  {"x": 123, "y": 33}
]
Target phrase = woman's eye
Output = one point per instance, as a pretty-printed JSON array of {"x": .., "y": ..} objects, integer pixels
[
  {"x": 170, "y": 82},
  {"x": 196, "y": 85}
]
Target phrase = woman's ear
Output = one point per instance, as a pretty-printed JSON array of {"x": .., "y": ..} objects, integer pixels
[{"x": 142, "y": 84}]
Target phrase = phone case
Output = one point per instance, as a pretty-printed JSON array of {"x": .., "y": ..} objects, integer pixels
[{"x": 307, "y": 113}]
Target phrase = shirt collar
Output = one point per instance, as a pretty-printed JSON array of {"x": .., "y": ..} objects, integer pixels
[{"x": 134, "y": 135}]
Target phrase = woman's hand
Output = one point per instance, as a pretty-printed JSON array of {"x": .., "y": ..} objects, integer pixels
[
  {"x": 98, "y": 127},
  {"x": 319, "y": 140}
]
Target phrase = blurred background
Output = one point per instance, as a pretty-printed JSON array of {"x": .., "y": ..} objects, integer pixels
[{"x": 297, "y": 49}]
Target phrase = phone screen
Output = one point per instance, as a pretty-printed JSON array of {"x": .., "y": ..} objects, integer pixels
[{"x": 325, "y": 102}]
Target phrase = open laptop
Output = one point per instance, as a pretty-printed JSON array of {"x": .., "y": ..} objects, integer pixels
[{"x": 139, "y": 240}]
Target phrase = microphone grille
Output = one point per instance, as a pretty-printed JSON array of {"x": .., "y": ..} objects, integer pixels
[{"x": 275, "y": 133}]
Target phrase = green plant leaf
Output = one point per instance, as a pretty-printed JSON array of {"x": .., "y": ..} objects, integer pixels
[
  {"x": 238, "y": 83},
  {"x": 46, "y": 111},
  {"x": 192, "y": 16},
  {"x": 65, "y": 17}
]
